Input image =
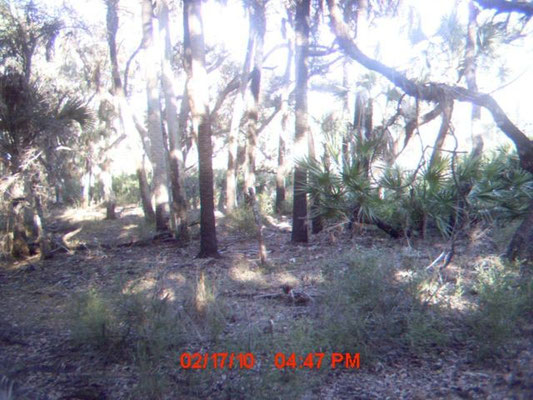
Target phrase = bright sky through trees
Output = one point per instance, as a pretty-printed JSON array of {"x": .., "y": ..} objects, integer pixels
[{"x": 226, "y": 25}]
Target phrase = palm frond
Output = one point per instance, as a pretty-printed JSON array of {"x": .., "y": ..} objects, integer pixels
[{"x": 74, "y": 109}]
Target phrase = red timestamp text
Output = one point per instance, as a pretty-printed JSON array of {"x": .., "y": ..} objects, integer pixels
[
  {"x": 217, "y": 360},
  {"x": 317, "y": 360},
  {"x": 281, "y": 360}
]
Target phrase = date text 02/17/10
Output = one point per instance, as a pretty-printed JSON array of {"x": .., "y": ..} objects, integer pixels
[{"x": 281, "y": 360}]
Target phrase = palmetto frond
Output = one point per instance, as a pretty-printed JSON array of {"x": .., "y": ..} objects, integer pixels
[{"x": 74, "y": 109}]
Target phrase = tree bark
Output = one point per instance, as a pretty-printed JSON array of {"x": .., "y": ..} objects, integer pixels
[
  {"x": 86, "y": 181},
  {"x": 447, "y": 109},
  {"x": 257, "y": 30},
  {"x": 18, "y": 241},
  {"x": 236, "y": 118},
  {"x": 126, "y": 118},
  {"x": 521, "y": 245},
  {"x": 144, "y": 189},
  {"x": 39, "y": 221},
  {"x": 106, "y": 178},
  {"x": 194, "y": 62},
  {"x": 471, "y": 79},
  {"x": 281, "y": 169},
  {"x": 316, "y": 220},
  {"x": 282, "y": 135},
  {"x": 178, "y": 207},
  {"x": 299, "y": 210},
  {"x": 157, "y": 148},
  {"x": 346, "y": 131}
]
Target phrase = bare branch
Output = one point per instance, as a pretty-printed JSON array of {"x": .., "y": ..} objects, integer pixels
[
  {"x": 230, "y": 87},
  {"x": 508, "y": 6}
]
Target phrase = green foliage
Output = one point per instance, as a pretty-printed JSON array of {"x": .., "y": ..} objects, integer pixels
[
  {"x": 505, "y": 300},
  {"x": 93, "y": 323},
  {"x": 241, "y": 220},
  {"x": 192, "y": 190},
  {"x": 452, "y": 32},
  {"x": 503, "y": 188},
  {"x": 126, "y": 187},
  {"x": 135, "y": 325},
  {"x": 366, "y": 310},
  {"x": 450, "y": 191},
  {"x": 124, "y": 321}
]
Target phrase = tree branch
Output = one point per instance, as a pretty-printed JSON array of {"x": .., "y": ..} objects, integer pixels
[
  {"x": 230, "y": 87},
  {"x": 127, "y": 69},
  {"x": 414, "y": 123},
  {"x": 508, "y": 6},
  {"x": 433, "y": 92}
]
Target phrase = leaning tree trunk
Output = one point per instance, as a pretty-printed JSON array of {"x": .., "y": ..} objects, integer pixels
[
  {"x": 176, "y": 165},
  {"x": 299, "y": 210},
  {"x": 435, "y": 93},
  {"x": 151, "y": 56},
  {"x": 194, "y": 61}
]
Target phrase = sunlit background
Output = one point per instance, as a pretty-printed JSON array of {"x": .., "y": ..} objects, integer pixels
[{"x": 421, "y": 54}]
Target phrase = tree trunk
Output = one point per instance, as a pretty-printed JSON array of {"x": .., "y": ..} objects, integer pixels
[
  {"x": 194, "y": 61},
  {"x": 175, "y": 158},
  {"x": 436, "y": 92},
  {"x": 126, "y": 118},
  {"x": 470, "y": 73},
  {"x": 144, "y": 190},
  {"x": 447, "y": 108},
  {"x": 39, "y": 221},
  {"x": 521, "y": 245},
  {"x": 86, "y": 184},
  {"x": 282, "y": 167},
  {"x": 299, "y": 210},
  {"x": 257, "y": 30},
  {"x": 157, "y": 148},
  {"x": 460, "y": 217},
  {"x": 433, "y": 92},
  {"x": 18, "y": 241},
  {"x": 346, "y": 131},
  {"x": 316, "y": 221},
  {"x": 260, "y": 227},
  {"x": 233, "y": 135},
  {"x": 106, "y": 178},
  {"x": 281, "y": 171}
]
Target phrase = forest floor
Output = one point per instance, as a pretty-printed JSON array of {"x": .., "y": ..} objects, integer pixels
[{"x": 112, "y": 320}]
